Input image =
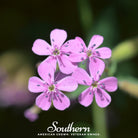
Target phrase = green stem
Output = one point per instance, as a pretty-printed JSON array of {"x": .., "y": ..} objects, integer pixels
[{"x": 99, "y": 117}]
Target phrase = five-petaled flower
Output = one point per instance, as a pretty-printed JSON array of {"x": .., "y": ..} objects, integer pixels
[
  {"x": 93, "y": 53},
  {"x": 58, "y": 51},
  {"x": 51, "y": 89},
  {"x": 95, "y": 87}
]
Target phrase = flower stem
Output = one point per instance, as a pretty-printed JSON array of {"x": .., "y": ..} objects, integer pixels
[{"x": 99, "y": 120}]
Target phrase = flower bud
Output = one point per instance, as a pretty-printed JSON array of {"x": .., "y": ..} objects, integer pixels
[{"x": 32, "y": 113}]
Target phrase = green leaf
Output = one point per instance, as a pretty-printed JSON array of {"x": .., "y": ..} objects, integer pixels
[
  {"x": 76, "y": 93},
  {"x": 83, "y": 64}
]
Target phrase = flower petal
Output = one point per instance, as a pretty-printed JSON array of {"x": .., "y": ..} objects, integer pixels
[
  {"x": 52, "y": 61},
  {"x": 43, "y": 101},
  {"x": 65, "y": 65},
  {"x": 72, "y": 46},
  {"x": 46, "y": 71},
  {"x": 77, "y": 57},
  {"x": 67, "y": 84},
  {"x": 36, "y": 85},
  {"x": 86, "y": 97},
  {"x": 82, "y": 77},
  {"x": 103, "y": 52},
  {"x": 41, "y": 47},
  {"x": 103, "y": 99},
  {"x": 60, "y": 101},
  {"x": 96, "y": 68},
  {"x": 109, "y": 84},
  {"x": 81, "y": 43},
  {"x": 58, "y": 37},
  {"x": 95, "y": 41}
]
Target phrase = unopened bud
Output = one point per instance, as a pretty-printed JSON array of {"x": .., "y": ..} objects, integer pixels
[{"x": 32, "y": 113}]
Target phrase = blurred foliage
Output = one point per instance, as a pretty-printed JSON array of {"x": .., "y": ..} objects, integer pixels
[
  {"x": 125, "y": 50},
  {"x": 129, "y": 85},
  {"x": 85, "y": 14}
]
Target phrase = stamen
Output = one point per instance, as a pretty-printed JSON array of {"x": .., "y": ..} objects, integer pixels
[
  {"x": 51, "y": 88},
  {"x": 56, "y": 52},
  {"x": 53, "y": 40},
  {"x": 94, "y": 84},
  {"x": 89, "y": 53},
  {"x": 38, "y": 85}
]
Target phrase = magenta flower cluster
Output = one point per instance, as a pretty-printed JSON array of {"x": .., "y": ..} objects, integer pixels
[{"x": 67, "y": 55}]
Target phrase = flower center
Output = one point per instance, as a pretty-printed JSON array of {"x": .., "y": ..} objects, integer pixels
[
  {"x": 89, "y": 53},
  {"x": 51, "y": 88},
  {"x": 94, "y": 84},
  {"x": 56, "y": 52}
]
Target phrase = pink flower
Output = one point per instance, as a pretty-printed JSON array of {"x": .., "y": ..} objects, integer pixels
[
  {"x": 58, "y": 52},
  {"x": 93, "y": 53},
  {"x": 95, "y": 87},
  {"x": 51, "y": 89}
]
